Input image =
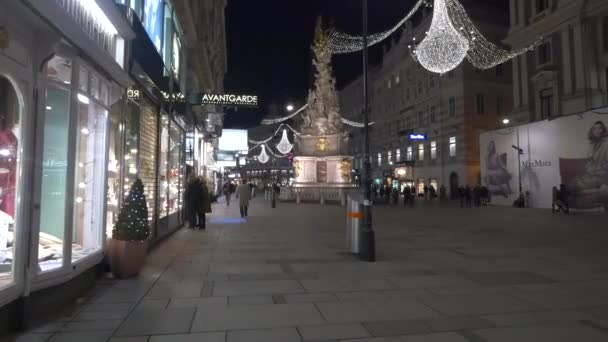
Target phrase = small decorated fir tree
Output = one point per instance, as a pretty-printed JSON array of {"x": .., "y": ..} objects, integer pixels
[{"x": 132, "y": 223}]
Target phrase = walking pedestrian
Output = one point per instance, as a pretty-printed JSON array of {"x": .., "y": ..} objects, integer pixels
[
  {"x": 227, "y": 192},
  {"x": 443, "y": 193},
  {"x": 243, "y": 193},
  {"x": 468, "y": 195}
]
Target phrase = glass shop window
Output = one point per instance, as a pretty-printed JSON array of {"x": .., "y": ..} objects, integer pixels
[
  {"x": 10, "y": 133},
  {"x": 54, "y": 165}
]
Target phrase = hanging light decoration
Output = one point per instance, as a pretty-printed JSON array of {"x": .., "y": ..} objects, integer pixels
[
  {"x": 346, "y": 43},
  {"x": 443, "y": 48},
  {"x": 284, "y": 146},
  {"x": 482, "y": 54},
  {"x": 263, "y": 157}
]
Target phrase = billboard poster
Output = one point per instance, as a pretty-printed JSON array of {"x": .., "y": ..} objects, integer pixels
[
  {"x": 572, "y": 151},
  {"x": 153, "y": 21}
]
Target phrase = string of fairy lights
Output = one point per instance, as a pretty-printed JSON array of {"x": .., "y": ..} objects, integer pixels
[{"x": 341, "y": 42}]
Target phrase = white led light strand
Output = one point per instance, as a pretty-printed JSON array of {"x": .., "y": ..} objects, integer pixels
[
  {"x": 482, "y": 53},
  {"x": 345, "y": 43},
  {"x": 284, "y": 146},
  {"x": 285, "y": 118},
  {"x": 354, "y": 123},
  {"x": 443, "y": 48}
]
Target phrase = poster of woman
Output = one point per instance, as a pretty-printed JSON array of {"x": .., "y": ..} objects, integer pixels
[
  {"x": 587, "y": 178},
  {"x": 497, "y": 177}
]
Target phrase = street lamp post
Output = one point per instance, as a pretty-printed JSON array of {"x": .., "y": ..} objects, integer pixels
[{"x": 367, "y": 243}]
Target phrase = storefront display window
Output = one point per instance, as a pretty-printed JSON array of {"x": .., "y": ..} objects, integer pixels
[
  {"x": 131, "y": 142},
  {"x": 54, "y": 165},
  {"x": 175, "y": 172},
  {"x": 163, "y": 164},
  {"x": 90, "y": 172},
  {"x": 10, "y": 132},
  {"x": 147, "y": 154},
  {"x": 115, "y": 166}
]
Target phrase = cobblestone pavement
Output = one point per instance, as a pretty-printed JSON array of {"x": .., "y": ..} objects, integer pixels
[{"x": 444, "y": 274}]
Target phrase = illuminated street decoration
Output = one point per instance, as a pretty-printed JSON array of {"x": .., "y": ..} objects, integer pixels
[
  {"x": 345, "y": 43},
  {"x": 443, "y": 48},
  {"x": 263, "y": 157},
  {"x": 451, "y": 38},
  {"x": 284, "y": 146}
]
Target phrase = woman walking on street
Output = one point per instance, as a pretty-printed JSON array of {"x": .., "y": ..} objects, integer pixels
[{"x": 243, "y": 192}]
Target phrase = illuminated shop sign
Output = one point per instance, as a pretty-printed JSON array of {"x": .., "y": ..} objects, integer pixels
[
  {"x": 417, "y": 136},
  {"x": 230, "y": 100},
  {"x": 135, "y": 94}
]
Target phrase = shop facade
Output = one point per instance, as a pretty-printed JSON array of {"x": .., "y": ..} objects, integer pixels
[
  {"x": 61, "y": 81},
  {"x": 84, "y": 111}
]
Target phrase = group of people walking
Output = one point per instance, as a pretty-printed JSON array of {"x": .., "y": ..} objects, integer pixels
[{"x": 478, "y": 196}]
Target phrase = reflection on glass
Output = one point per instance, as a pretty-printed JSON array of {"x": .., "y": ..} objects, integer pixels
[
  {"x": 114, "y": 166},
  {"x": 147, "y": 155},
  {"x": 10, "y": 111},
  {"x": 54, "y": 173},
  {"x": 176, "y": 168},
  {"x": 131, "y": 141},
  {"x": 163, "y": 163},
  {"x": 89, "y": 187}
]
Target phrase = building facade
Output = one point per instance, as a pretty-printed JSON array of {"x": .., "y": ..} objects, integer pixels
[
  {"x": 448, "y": 112},
  {"x": 568, "y": 72},
  {"x": 90, "y": 99}
]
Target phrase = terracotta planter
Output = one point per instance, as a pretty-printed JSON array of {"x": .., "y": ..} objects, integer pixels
[{"x": 127, "y": 257}]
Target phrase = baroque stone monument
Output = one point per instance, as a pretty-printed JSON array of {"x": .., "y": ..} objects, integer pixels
[{"x": 322, "y": 164}]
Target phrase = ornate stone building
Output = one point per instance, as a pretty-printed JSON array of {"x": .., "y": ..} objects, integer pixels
[{"x": 568, "y": 71}]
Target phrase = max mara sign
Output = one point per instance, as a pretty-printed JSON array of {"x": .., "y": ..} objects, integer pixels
[{"x": 230, "y": 100}]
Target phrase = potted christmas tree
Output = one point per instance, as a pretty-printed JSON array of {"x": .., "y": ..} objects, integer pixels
[{"x": 129, "y": 245}]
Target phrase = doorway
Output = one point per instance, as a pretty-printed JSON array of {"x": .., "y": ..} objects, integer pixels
[{"x": 454, "y": 185}]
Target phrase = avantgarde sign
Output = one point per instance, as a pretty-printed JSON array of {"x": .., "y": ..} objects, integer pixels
[{"x": 230, "y": 100}]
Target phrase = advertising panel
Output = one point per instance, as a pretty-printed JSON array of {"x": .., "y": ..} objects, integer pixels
[
  {"x": 234, "y": 140},
  {"x": 572, "y": 151},
  {"x": 153, "y": 21}
]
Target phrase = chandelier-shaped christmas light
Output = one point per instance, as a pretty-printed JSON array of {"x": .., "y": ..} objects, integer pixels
[
  {"x": 284, "y": 146},
  {"x": 443, "y": 48},
  {"x": 452, "y": 37},
  {"x": 263, "y": 157}
]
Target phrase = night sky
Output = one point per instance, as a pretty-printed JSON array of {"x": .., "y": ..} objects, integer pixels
[{"x": 269, "y": 55}]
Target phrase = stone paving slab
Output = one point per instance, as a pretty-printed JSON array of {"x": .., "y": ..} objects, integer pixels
[
  {"x": 332, "y": 332},
  {"x": 264, "y": 335},
  {"x": 255, "y": 317},
  {"x": 204, "y": 337},
  {"x": 157, "y": 322},
  {"x": 543, "y": 333},
  {"x": 256, "y": 287}
]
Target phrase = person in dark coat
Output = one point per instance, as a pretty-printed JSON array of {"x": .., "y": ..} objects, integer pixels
[{"x": 198, "y": 202}]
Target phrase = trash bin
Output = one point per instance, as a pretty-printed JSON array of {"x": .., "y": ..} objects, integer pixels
[{"x": 354, "y": 216}]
